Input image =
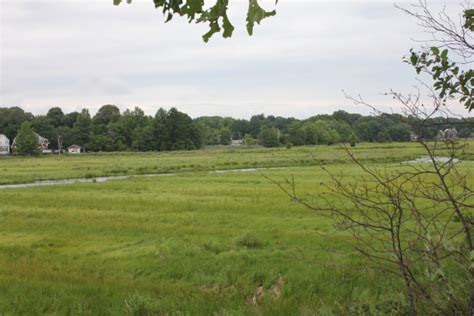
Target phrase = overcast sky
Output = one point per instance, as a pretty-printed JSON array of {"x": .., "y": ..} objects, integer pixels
[{"x": 76, "y": 54}]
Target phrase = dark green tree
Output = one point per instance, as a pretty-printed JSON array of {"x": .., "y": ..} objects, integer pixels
[
  {"x": 296, "y": 134},
  {"x": 11, "y": 120},
  {"x": 182, "y": 132},
  {"x": 160, "y": 129},
  {"x": 44, "y": 127},
  {"x": 225, "y": 136},
  {"x": 82, "y": 128},
  {"x": 465, "y": 132},
  {"x": 70, "y": 119},
  {"x": 27, "y": 141},
  {"x": 269, "y": 137},
  {"x": 107, "y": 114},
  {"x": 130, "y": 120},
  {"x": 143, "y": 139},
  {"x": 56, "y": 117},
  {"x": 255, "y": 124}
]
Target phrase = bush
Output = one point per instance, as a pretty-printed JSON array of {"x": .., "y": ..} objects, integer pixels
[{"x": 250, "y": 241}]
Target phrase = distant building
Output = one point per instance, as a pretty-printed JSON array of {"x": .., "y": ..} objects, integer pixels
[
  {"x": 43, "y": 144},
  {"x": 413, "y": 137},
  {"x": 236, "y": 142},
  {"x": 447, "y": 134},
  {"x": 74, "y": 149},
  {"x": 4, "y": 145}
]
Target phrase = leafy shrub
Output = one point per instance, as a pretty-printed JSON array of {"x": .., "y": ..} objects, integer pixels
[{"x": 249, "y": 241}]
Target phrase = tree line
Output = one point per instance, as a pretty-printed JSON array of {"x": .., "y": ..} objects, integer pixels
[{"x": 133, "y": 130}]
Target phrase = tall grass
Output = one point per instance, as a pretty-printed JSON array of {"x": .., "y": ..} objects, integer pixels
[
  {"x": 19, "y": 169},
  {"x": 195, "y": 243}
]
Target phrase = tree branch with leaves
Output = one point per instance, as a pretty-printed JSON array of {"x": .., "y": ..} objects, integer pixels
[{"x": 215, "y": 16}]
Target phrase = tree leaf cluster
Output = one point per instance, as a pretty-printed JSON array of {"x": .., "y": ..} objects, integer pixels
[
  {"x": 216, "y": 16},
  {"x": 450, "y": 81}
]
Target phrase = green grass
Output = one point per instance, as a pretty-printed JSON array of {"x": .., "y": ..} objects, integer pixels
[
  {"x": 193, "y": 243},
  {"x": 18, "y": 169}
]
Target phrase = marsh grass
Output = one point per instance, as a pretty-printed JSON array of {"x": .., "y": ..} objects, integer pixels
[
  {"x": 49, "y": 167},
  {"x": 193, "y": 244}
]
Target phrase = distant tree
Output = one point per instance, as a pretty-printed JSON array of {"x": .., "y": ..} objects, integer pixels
[
  {"x": 98, "y": 143},
  {"x": 399, "y": 132},
  {"x": 249, "y": 140},
  {"x": 107, "y": 133},
  {"x": 325, "y": 132},
  {"x": 27, "y": 141},
  {"x": 43, "y": 126},
  {"x": 255, "y": 124},
  {"x": 143, "y": 139},
  {"x": 11, "y": 120},
  {"x": 353, "y": 140},
  {"x": 107, "y": 114},
  {"x": 269, "y": 137},
  {"x": 465, "y": 132},
  {"x": 296, "y": 134},
  {"x": 344, "y": 130},
  {"x": 368, "y": 128},
  {"x": 160, "y": 129},
  {"x": 310, "y": 133},
  {"x": 183, "y": 133},
  {"x": 70, "y": 119},
  {"x": 116, "y": 137},
  {"x": 130, "y": 120},
  {"x": 175, "y": 130},
  {"x": 65, "y": 137},
  {"x": 225, "y": 136},
  {"x": 349, "y": 118},
  {"x": 56, "y": 116},
  {"x": 240, "y": 128},
  {"x": 82, "y": 128}
]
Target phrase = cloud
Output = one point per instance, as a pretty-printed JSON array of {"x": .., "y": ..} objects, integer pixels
[{"x": 84, "y": 54}]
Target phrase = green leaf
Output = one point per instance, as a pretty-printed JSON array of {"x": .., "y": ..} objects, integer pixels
[
  {"x": 192, "y": 8},
  {"x": 216, "y": 16},
  {"x": 228, "y": 27},
  {"x": 469, "y": 17},
  {"x": 414, "y": 59},
  {"x": 117, "y": 2},
  {"x": 214, "y": 28},
  {"x": 256, "y": 14}
]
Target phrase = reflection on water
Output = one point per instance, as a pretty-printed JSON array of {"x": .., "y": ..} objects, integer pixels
[
  {"x": 438, "y": 159},
  {"x": 105, "y": 179}
]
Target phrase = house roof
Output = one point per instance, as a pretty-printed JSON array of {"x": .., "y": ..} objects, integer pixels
[
  {"x": 41, "y": 139},
  {"x": 74, "y": 146}
]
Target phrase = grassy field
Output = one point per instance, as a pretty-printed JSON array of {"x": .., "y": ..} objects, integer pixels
[
  {"x": 18, "y": 170},
  {"x": 192, "y": 243}
]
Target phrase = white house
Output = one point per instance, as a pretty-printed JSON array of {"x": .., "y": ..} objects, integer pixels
[
  {"x": 4, "y": 145},
  {"x": 43, "y": 144},
  {"x": 236, "y": 142},
  {"x": 447, "y": 134},
  {"x": 74, "y": 149},
  {"x": 413, "y": 137}
]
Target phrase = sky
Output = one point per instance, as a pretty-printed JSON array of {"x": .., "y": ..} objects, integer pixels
[{"x": 87, "y": 53}]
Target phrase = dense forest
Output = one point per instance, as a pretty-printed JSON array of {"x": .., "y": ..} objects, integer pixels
[{"x": 110, "y": 130}]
